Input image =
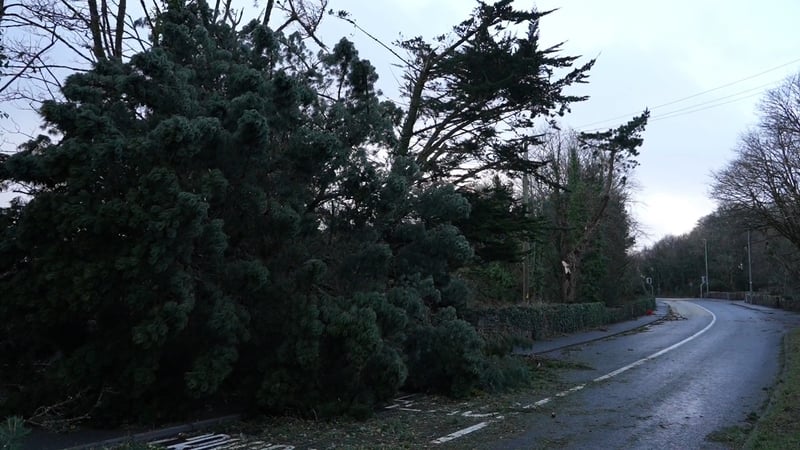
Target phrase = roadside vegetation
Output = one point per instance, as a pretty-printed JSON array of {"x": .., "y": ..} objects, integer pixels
[
  {"x": 227, "y": 214},
  {"x": 779, "y": 427}
]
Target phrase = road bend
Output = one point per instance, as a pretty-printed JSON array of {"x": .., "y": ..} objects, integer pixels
[{"x": 665, "y": 387}]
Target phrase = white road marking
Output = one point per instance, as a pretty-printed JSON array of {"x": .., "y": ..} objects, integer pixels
[
  {"x": 459, "y": 433},
  {"x": 660, "y": 352},
  {"x": 571, "y": 390},
  {"x": 478, "y": 415},
  {"x": 217, "y": 442},
  {"x": 577, "y": 388},
  {"x": 539, "y": 403}
]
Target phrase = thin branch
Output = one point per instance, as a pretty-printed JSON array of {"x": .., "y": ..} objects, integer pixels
[
  {"x": 27, "y": 66},
  {"x": 53, "y": 33},
  {"x": 77, "y": 14},
  {"x": 381, "y": 43}
]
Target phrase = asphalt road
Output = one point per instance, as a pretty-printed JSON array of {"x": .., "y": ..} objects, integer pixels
[{"x": 665, "y": 387}]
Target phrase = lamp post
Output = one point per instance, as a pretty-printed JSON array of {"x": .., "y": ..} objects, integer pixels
[
  {"x": 705, "y": 250},
  {"x": 749, "y": 269},
  {"x": 702, "y": 283}
]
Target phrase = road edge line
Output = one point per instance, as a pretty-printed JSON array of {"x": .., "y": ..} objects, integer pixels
[{"x": 663, "y": 351}]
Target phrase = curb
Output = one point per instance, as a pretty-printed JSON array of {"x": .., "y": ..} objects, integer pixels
[
  {"x": 158, "y": 434},
  {"x": 763, "y": 309}
]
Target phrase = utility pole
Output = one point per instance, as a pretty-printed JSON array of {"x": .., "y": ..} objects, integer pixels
[
  {"x": 525, "y": 245},
  {"x": 705, "y": 250},
  {"x": 749, "y": 265}
]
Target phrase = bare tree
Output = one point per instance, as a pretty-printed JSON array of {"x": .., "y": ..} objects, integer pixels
[
  {"x": 586, "y": 173},
  {"x": 46, "y": 40},
  {"x": 763, "y": 182}
]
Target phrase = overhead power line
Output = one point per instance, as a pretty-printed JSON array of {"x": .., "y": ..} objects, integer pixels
[
  {"x": 689, "y": 97},
  {"x": 758, "y": 88},
  {"x": 697, "y": 107},
  {"x": 694, "y": 109}
]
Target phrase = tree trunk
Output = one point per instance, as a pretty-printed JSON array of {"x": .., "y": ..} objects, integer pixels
[{"x": 96, "y": 31}]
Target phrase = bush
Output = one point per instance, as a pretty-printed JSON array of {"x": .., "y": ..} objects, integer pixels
[
  {"x": 512, "y": 325},
  {"x": 445, "y": 357},
  {"x": 502, "y": 373},
  {"x": 632, "y": 310},
  {"x": 342, "y": 365}
]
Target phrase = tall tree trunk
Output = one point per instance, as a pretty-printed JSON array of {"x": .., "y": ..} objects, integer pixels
[
  {"x": 121, "y": 11},
  {"x": 414, "y": 105},
  {"x": 96, "y": 29}
]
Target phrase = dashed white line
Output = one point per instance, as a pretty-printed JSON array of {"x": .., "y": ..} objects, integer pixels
[
  {"x": 477, "y": 415},
  {"x": 660, "y": 352},
  {"x": 542, "y": 402},
  {"x": 607, "y": 376},
  {"x": 459, "y": 433}
]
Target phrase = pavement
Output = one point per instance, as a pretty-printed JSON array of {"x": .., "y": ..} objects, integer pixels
[
  {"x": 89, "y": 439},
  {"x": 743, "y": 304},
  {"x": 583, "y": 337}
]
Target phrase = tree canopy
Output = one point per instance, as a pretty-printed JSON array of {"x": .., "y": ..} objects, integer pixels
[{"x": 763, "y": 181}]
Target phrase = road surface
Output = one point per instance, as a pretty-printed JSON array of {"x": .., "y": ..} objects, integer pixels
[{"x": 667, "y": 387}]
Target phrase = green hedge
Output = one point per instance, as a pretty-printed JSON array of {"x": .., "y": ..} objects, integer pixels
[{"x": 547, "y": 320}]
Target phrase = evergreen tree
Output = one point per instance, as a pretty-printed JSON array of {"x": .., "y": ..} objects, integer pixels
[
  {"x": 209, "y": 220},
  {"x": 498, "y": 223},
  {"x": 474, "y": 94},
  {"x": 589, "y": 231}
]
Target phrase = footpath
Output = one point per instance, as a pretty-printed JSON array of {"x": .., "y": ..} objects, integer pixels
[
  {"x": 583, "y": 337},
  {"x": 765, "y": 309},
  {"x": 92, "y": 439}
]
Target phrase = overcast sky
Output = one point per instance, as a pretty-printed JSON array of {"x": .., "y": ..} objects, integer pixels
[{"x": 648, "y": 54}]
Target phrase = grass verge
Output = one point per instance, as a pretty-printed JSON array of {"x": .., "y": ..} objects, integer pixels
[
  {"x": 418, "y": 419},
  {"x": 412, "y": 422},
  {"x": 779, "y": 428}
]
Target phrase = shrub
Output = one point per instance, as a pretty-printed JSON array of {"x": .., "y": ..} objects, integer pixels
[
  {"x": 445, "y": 357},
  {"x": 512, "y": 325},
  {"x": 501, "y": 373}
]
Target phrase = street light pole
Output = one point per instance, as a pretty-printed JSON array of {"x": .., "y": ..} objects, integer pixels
[
  {"x": 749, "y": 265},
  {"x": 705, "y": 249}
]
